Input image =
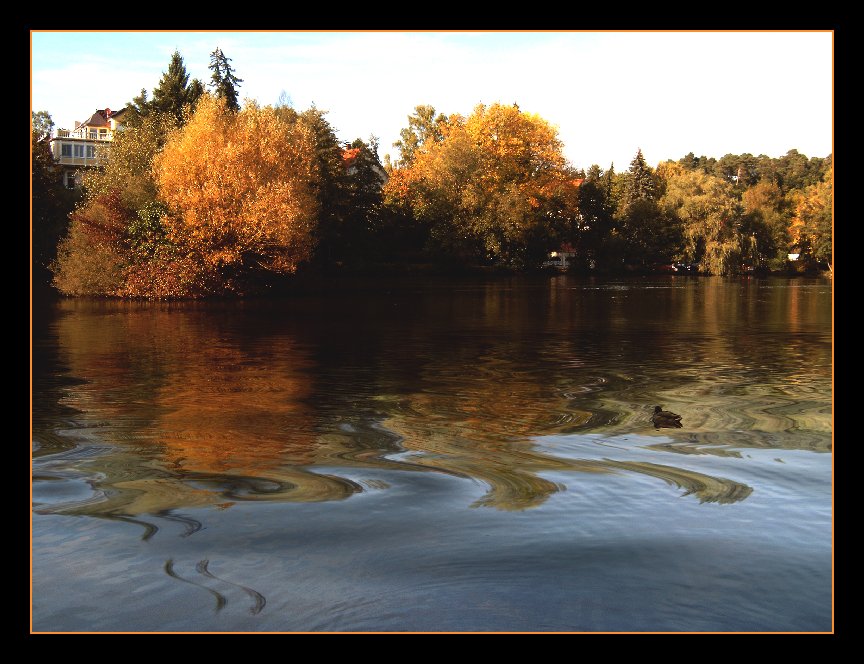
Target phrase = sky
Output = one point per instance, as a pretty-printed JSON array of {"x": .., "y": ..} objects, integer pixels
[{"x": 609, "y": 93}]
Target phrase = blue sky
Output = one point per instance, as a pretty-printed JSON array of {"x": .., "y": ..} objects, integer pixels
[{"x": 609, "y": 93}]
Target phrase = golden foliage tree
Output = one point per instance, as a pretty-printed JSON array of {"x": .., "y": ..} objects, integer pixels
[
  {"x": 493, "y": 186},
  {"x": 239, "y": 189},
  {"x": 812, "y": 227}
]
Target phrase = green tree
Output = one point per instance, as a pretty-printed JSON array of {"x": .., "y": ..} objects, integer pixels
[
  {"x": 51, "y": 202},
  {"x": 646, "y": 232},
  {"x": 597, "y": 212},
  {"x": 42, "y": 124},
  {"x": 640, "y": 183},
  {"x": 710, "y": 216},
  {"x": 174, "y": 95},
  {"x": 363, "y": 220},
  {"x": 223, "y": 81},
  {"x": 175, "y": 92},
  {"x": 423, "y": 125},
  {"x": 766, "y": 220}
]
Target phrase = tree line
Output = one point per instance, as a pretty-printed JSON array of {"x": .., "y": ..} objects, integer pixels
[{"x": 199, "y": 195}]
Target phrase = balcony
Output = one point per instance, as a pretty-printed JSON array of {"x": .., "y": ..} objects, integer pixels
[{"x": 77, "y": 161}]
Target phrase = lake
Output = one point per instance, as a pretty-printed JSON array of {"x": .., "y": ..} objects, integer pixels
[{"x": 437, "y": 454}]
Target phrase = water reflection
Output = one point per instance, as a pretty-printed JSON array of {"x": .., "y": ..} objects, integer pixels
[{"x": 149, "y": 409}]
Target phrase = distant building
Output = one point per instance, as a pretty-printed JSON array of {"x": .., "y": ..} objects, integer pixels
[{"x": 79, "y": 148}]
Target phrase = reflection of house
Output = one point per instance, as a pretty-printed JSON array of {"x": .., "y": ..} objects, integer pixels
[
  {"x": 561, "y": 257},
  {"x": 79, "y": 148}
]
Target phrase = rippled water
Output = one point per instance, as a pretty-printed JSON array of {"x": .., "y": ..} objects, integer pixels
[{"x": 437, "y": 455}]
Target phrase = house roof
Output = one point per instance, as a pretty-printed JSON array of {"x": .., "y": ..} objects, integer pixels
[
  {"x": 101, "y": 116},
  {"x": 98, "y": 119}
]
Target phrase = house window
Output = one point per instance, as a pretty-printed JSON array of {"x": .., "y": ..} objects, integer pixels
[
  {"x": 69, "y": 179},
  {"x": 91, "y": 151},
  {"x": 79, "y": 150},
  {"x": 103, "y": 134},
  {"x": 92, "y": 134},
  {"x": 65, "y": 149}
]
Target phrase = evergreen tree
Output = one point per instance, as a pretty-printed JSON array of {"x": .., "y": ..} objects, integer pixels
[
  {"x": 223, "y": 80},
  {"x": 170, "y": 95},
  {"x": 138, "y": 108},
  {"x": 174, "y": 93},
  {"x": 640, "y": 181}
]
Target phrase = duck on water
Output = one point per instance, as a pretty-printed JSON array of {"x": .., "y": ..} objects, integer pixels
[{"x": 665, "y": 419}]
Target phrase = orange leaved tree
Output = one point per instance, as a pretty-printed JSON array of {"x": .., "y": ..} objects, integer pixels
[
  {"x": 494, "y": 186},
  {"x": 238, "y": 188}
]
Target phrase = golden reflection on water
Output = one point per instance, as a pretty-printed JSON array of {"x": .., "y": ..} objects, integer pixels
[{"x": 198, "y": 405}]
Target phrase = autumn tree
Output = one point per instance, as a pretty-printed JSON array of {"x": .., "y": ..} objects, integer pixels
[
  {"x": 329, "y": 185},
  {"x": 812, "y": 226},
  {"x": 239, "y": 190},
  {"x": 423, "y": 125},
  {"x": 223, "y": 81},
  {"x": 710, "y": 217},
  {"x": 495, "y": 187},
  {"x": 115, "y": 228}
]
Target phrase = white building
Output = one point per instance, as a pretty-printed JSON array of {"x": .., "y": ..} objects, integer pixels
[{"x": 79, "y": 148}]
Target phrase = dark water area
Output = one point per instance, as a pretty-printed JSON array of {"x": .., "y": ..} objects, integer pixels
[{"x": 438, "y": 455}]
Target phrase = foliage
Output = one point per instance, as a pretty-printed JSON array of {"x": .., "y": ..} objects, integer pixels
[
  {"x": 228, "y": 198},
  {"x": 42, "y": 124},
  {"x": 812, "y": 226},
  {"x": 238, "y": 188},
  {"x": 126, "y": 167},
  {"x": 51, "y": 202},
  {"x": 175, "y": 95},
  {"x": 423, "y": 126},
  {"x": 766, "y": 221},
  {"x": 640, "y": 183},
  {"x": 495, "y": 187},
  {"x": 92, "y": 257},
  {"x": 223, "y": 81},
  {"x": 597, "y": 205},
  {"x": 710, "y": 218}
]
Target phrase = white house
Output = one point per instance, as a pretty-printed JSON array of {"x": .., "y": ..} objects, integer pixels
[{"x": 79, "y": 148}]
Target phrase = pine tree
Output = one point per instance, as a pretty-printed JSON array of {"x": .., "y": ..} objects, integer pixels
[
  {"x": 174, "y": 91},
  {"x": 640, "y": 181},
  {"x": 223, "y": 81}
]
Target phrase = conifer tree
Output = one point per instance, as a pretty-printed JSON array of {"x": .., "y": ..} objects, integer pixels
[
  {"x": 223, "y": 80},
  {"x": 640, "y": 182},
  {"x": 173, "y": 93}
]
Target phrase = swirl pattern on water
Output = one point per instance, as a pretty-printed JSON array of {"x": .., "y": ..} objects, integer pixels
[{"x": 152, "y": 408}]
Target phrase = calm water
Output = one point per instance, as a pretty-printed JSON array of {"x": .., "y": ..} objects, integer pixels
[{"x": 437, "y": 455}]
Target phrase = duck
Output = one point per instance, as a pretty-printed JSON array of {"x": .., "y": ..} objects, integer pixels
[{"x": 665, "y": 419}]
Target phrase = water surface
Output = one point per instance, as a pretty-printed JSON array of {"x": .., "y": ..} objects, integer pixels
[{"x": 437, "y": 454}]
